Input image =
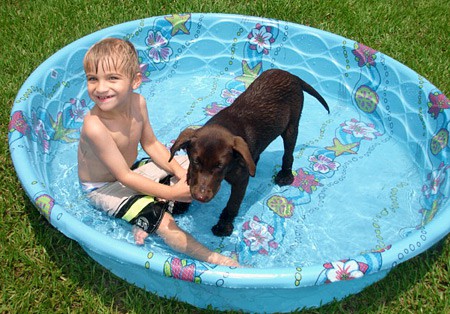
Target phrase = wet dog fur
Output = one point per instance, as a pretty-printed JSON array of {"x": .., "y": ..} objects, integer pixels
[{"x": 228, "y": 146}]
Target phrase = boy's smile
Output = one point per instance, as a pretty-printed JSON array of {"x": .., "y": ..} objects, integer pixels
[{"x": 104, "y": 98}]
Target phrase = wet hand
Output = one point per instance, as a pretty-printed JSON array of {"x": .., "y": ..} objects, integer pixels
[{"x": 181, "y": 192}]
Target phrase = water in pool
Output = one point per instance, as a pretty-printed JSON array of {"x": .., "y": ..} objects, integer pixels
[{"x": 356, "y": 189}]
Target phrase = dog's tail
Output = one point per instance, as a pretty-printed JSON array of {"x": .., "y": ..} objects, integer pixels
[{"x": 310, "y": 90}]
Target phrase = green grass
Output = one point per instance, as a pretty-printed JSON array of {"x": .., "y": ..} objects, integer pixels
[{"x": 45, "y": 272}]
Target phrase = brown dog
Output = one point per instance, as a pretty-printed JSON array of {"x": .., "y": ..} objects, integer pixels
[{"x": 228, "y": 146}]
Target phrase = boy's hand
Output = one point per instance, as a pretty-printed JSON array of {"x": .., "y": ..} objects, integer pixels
[{"x": 181, "y": 192}]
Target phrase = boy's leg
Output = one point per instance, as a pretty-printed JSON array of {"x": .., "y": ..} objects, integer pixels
[
  {"x": 183, "y": 242},
  {"x": 117, "y": 200},
  {"x": 143, "y": 211}
]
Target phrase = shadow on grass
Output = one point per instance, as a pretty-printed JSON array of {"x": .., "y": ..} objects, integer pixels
[{"x": 116, "y": 294}]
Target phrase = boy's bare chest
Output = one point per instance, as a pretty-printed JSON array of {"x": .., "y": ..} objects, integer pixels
[{"x": 126, "y": 134}]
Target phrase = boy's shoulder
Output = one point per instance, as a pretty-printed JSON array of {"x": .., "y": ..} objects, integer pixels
[
  {"x": 92, "y": 125},
  {"x": 91, "y": 117}
]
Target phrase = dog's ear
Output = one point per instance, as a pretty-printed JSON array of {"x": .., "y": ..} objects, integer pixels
[
  {"x": 242, "y": 148},
  {"x": 181, "y": 142}
]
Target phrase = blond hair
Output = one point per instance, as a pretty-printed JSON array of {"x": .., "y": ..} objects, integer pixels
[{"x": 112, "y": 53}]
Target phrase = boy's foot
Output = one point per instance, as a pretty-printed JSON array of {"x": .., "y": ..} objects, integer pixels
[{"x": 139, "y": 235}]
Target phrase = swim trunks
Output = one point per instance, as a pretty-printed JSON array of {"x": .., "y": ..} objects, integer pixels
[{"x": 144, "y": 211}]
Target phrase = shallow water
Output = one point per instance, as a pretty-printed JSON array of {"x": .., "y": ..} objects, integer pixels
[{"x": 357, "y": 188}]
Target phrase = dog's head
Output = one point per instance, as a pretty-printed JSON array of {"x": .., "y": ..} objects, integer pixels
[{"x": 213, "y": 151}]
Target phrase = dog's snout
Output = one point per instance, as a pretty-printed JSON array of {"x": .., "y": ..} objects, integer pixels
[
  {"x": 202, "y": 193},
  {"x": 203, "y": 187},
  {"x": 201, "y": 198}
]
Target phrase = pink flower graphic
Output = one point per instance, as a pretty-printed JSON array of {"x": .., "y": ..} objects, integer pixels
[
  {"x": 79, "y": 109},
  {"x": 305, "y": 181},
  {"x": 230, "y": 95},
  {"x": 18, "y": 123},
  {"x": 364, "y": 55},
  {"x": 213, "y": 108},
  {"x": 436, "y": 178},
  {"x": 158, "y": 51},
  {"x": 323, "y": 164},
  {"x": 345, "y": 270},
  {"x": 258, "y": 236},
  {"x": 40, "y": 132},
  {"x": 261, "y": 39},
  {"x": 360, "y": 129},
  {"x": 438, "y": 102}
]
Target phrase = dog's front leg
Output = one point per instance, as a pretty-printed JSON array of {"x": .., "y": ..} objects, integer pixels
[{"x": 224, "y": 226}]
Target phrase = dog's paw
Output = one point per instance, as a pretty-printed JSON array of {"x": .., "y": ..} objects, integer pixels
[
  {"x": 284, "y": 177},
  {"x": 222, "y": 230}
]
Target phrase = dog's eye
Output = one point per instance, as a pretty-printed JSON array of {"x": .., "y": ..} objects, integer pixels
[{"x": 219, "y": 166}]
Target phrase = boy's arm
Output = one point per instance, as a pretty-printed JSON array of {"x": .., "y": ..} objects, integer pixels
[
  {"x": 106, "y": 150},
  {"x": 161, "y": 155},
  {"x": 156, "y": 150}
]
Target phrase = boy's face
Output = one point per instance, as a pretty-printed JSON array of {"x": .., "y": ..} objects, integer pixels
[{"x": 109, "y": 87}]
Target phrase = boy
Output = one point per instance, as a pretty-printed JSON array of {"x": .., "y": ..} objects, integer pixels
[{"x": 109, "y": 139}]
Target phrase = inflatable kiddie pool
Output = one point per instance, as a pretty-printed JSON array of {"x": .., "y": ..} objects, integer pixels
[{"x": 370, "y": 190}]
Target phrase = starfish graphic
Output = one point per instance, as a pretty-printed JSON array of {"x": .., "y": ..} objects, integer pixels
[
  {"x": 338, "y": 148},
  {"x": 61, "y": 133},
  {"x": 249, "y": 75},
  {"x": 178, "y": 22}
]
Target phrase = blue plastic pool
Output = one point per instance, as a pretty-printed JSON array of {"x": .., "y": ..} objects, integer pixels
[{"x": 370, "y": 189}]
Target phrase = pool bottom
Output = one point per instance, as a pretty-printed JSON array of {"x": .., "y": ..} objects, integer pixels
[
  {"x": 366, "y": 206},
  {"x": 357, "y": 188}
]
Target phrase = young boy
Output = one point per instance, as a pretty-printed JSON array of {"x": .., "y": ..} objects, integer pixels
[{"x": 107, "y": 150}]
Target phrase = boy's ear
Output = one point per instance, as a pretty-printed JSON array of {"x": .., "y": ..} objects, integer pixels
[{"x": 137, "y": 80}]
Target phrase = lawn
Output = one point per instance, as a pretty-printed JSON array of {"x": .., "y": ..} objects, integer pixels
[{"x": 45, "y": 272}]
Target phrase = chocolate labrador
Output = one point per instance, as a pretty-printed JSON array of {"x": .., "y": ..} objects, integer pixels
[{"x": 228, "y": 146}]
